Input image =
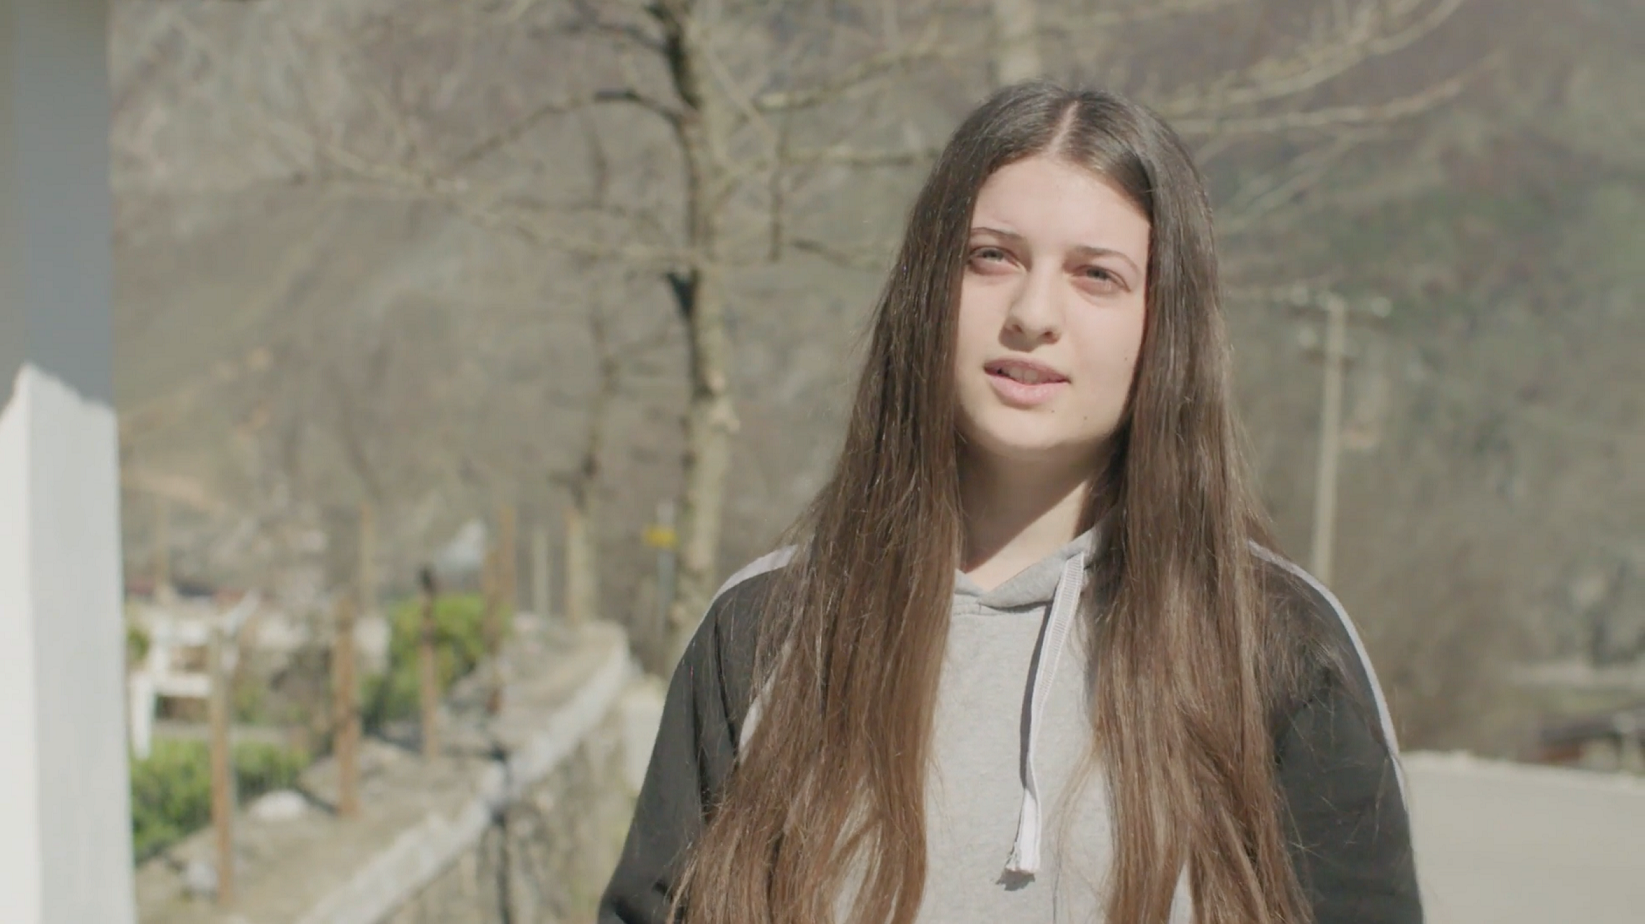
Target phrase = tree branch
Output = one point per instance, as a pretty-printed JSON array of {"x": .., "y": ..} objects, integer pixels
[
  {"x": 635, "y": 97},
  {"x": 854, "y": 79},
  {"x": 514, "y": 132},
  {"x": 1107, "y": 19},
  {"x": 867, "y": 258},
  {"x": 844, "y": 155},
  {"x": 349, "y": 434},
  {"x": 1263, "y": 195},
  {"x": 591, "y": 23},
  {"x": 1324, "y": 117},
  {"x": 1311, "y": 65}
]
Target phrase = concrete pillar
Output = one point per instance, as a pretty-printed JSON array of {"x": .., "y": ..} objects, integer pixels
[{"x": 65, "y": 830}]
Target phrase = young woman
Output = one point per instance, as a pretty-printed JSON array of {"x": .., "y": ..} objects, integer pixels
[{"x": 1030, "y": 657}]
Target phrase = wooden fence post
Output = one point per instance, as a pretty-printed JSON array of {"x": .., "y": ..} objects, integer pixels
[
  {"x": 368, "y": 559},
  {"x": 539, "y": 571},
  {"x": 346, "y": 721},
  {"x": 508, "y": 561},
  {"x": 222, "y": 769},
  {"x": 428, "y": 666},
  {"x": 578, "y": 580},
  {"x": 490, "y": 628}
]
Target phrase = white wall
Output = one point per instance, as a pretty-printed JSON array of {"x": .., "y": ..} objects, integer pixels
[
  {"x": 65, "y": 843},
  {"x": 65, "y": 830}
]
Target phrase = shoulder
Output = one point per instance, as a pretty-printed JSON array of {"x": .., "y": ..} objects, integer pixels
[
  {"x": 1337, "y": 762},
  {"x": 721, "y": 657},
  {"x": 734, "y": 613},
  {"x": 1325, "y": 637}
]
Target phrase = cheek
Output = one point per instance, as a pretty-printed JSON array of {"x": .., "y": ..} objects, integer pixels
[
  {"x": 976, "y": 329},
  {"x": 1109, "y": 350}
]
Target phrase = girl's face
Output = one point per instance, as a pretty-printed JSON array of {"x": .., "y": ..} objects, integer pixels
[{"x": 1050, "y": 314}]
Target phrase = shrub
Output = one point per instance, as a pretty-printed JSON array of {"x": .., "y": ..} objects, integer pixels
[
  {"x": 137, "y": 643},
  {"x": 171, "y": 789},
  {"x": 459, "y": 645}
]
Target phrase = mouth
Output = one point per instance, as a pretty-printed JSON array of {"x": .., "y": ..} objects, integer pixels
[
  {"x": 1022, "y": 384},
  {"x": 1024, "y": 372}
]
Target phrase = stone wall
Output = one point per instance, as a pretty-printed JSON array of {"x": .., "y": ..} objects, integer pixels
[
  {"x": 519, "y": 819},
  {"x": 550, "y": 853}
]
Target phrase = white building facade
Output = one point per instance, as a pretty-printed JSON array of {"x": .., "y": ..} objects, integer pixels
[{"x": 65, "y": 828}]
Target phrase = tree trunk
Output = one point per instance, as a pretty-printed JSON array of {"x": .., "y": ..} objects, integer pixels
[
  {"x": 581, "y": 559},
  {"x": 582, "y": 523},
  {"x": 702, "y": 131},
  {"x": 1017, "y": 50},
  {"x": 368, "y": 559},
  {"x": 711, "y": 420}
]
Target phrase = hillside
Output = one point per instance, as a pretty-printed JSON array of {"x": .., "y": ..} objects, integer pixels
[{"x": 288, "y": 345}]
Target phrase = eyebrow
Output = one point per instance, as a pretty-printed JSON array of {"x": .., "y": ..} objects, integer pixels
[{"x": 1084, "y": 250}]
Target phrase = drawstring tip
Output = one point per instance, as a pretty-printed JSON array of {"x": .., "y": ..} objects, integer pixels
[
  {"x": 1024, "y": 860},
  {"x": 1017, "y": 869},
  {"x": 1025, "y": 851}
]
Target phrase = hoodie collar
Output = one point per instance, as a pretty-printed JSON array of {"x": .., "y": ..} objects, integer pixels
[{"x": 1032, "y": 587}]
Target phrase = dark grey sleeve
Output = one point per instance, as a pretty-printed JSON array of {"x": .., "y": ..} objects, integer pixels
[
  {"x": 693, "y": 755},
  {"x": 1350, "y": 835}
]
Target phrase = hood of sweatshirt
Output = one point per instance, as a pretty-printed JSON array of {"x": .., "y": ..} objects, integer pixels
[
  {"x": 1011, "y": 813},
  {"x": 991, "y": 632}
]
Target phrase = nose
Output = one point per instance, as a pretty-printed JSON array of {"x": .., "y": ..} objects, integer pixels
[{"x": 1036, "y": 310}]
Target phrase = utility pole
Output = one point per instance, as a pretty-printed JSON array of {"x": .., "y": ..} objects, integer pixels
[
  {"x": 222, "y": 767},
  {"x": 1336, "y": 308},
  {"x": 1330, "y": 437}
]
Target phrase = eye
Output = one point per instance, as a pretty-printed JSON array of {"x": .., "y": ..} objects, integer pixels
[
  {"x": 989, "y": 260},
  {"x": 1103, "y": 278}
]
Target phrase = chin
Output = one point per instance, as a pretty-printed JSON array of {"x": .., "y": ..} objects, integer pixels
[{"x": 1027, "y": 446}]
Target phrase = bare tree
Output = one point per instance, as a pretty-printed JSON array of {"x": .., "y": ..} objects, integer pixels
[
  {"x": 1017, "y": 55},
  {"x": 736, "y": 109},
  {"x": 582, "y": 481},
  {"x": 731, "y": 147}
]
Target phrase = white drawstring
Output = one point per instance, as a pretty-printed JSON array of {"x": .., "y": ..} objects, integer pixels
[{"x": 1025, "y": 854}]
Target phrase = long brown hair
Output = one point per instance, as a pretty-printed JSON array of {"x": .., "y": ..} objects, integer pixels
[{"x": 829, "y": 788}]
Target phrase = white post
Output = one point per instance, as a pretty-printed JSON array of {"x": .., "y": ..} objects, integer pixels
[
  {"x": 65, "y": 840},
  {"x": 140, "y": 690},
  {"x": 1330, "y": 432}
]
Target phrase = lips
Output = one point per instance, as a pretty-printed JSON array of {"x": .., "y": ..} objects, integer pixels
[
  {"x": 1024, "y": 384},
  {"x": 1024, "y": 372}
]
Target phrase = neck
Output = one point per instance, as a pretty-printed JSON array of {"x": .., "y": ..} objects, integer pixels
[{"x": 1017, "y": 514}]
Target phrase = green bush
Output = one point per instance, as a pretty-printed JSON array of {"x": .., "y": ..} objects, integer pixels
[
  {"x": 137, "y": 643},
  {"x": 249, "y": 701},
  {"x": 171, "y": 790},
  {"x": 459, "y": 645}
]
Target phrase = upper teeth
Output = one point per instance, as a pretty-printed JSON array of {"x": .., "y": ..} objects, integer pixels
[{"x": 1025, "y": 375}]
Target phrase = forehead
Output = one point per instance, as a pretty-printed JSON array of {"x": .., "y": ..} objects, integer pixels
[{"x": 1052, "y": 202}]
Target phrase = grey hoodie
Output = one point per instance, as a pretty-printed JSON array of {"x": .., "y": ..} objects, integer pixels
[
  {"x": 1018, "y": 827},
  {"x": 1002, "y": 777}
]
